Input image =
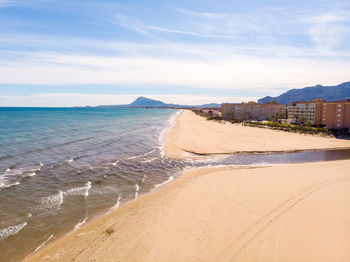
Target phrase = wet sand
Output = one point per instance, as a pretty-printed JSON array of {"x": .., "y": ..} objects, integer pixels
[
  {"x": 194, "y": 134},
  {"x": 297, "y": 212}
]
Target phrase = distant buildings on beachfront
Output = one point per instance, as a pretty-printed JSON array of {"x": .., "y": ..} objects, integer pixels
[
  {"x": 333, "y": 115},
  {"x": 253, "y": 111}
]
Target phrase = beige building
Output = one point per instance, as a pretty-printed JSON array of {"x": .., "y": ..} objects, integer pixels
[
  {"x": 309, "y": 111},
  {"x": 333, "y": 115},
  {"x": 252, "y": 111}
]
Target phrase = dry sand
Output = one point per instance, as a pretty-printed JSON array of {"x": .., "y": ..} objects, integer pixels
[
  {"x": 192, "y": 133},
  {"x": 296, "y": 212},
  {"x": 287, "y": 213}
]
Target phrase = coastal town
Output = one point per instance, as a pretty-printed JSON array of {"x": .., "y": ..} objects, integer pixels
[{"x": 318, "y": 112}]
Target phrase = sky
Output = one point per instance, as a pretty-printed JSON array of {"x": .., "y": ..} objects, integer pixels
[{"x": 76, "y": 53}]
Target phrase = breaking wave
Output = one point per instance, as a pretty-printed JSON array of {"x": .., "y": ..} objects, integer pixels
[
  {"x": 171, "y": 178},
  {"x": 77, "y": 226},
  {"x": 116, "y": 206},
  {"x": 137, "y": 187},
  {"x": 54, "y": 201},
  {"x": 11, "y": 230}
]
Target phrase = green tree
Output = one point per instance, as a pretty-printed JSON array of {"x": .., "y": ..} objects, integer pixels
[{"x": 302, "y": 121}]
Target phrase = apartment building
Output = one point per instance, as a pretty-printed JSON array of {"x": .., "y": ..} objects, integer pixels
[
  {"x": 252, "y": 111},
  {"x": 333, "y": 115},
  {"x": 307, "y": 111},
  {"x": 336, "y": 115}
]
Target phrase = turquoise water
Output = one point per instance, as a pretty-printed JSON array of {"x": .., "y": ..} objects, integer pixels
[
  {"x": 33, "y": 135},
  {"x": 61, "y": 167}
]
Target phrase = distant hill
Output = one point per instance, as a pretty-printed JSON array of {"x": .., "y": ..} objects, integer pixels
[
  {"x": 144, "y": 102},
  {"x": 328, "y": 93}
]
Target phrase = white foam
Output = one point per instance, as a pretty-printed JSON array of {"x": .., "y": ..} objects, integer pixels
[
  {"x": 79, "y": 191},
  {"x": 54, "y": 201},
  {"x": 104, "y": 190},
  {"x": 77, "y": 226},
  {"x": 115, "y": 163},
  {"x": 171, "y": 122},
  {"x": 116, "y": 206},
  {"x": 171, "y": 178},
  {"x": 149, "y": 160},
  {"x": 76, "y": 191},
  {"x": 43, "y": 244},
  {"x": 29, "y": 215},
  {"x": 88, "y": 186},
  {"x": 70, "y": 160},
  {"x": 144, "y": 178},
  {"x": 11, "y": 230},
  {"x": 133, "y": 157},
  {"x": 31, "y": 174},
  {"x": 15, "y": 172},
  {"x": 137, "y": 191},
  {"x": 21, "y": 172},
  {"x": 150, "y": 152},
  {"x": 4, "y": 184},
  {"x": 38, "y": 168}
]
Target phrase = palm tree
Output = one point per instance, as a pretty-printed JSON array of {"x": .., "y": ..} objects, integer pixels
[
  {"x": 296, "y": 116},
  {"x": 249, "y": 115},
  {"x": 302, "y": 121}
]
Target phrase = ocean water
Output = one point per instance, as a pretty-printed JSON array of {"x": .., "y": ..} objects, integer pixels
[{"x": 62, "y": 167}]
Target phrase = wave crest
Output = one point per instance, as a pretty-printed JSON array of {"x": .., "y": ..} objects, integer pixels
[{"x": 11, "y": 230}]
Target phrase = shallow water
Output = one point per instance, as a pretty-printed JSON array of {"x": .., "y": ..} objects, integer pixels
[{"x": 60, "y": 168}]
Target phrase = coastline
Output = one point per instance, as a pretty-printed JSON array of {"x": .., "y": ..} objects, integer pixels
[
  {"x": 194, "y": 218},
  {"x": 195, "y": 136},
  {"x": 161, "y": 146}
]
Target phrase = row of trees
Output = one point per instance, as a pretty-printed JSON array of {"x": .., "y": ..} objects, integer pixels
[{"x": 302, "y": 126}]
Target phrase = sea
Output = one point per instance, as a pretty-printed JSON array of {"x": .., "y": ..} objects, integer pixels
[{"x": 63, "y": 167}]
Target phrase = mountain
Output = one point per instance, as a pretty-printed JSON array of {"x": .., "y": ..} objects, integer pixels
[
  {"x": 144, "y": 102},
  {"x": 210, "y": 105},
  {"x": 328, "y": 93}
]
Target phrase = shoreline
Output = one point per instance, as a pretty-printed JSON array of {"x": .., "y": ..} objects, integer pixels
[
  {"x": 93, "y": 240},
  {"x": 205, "y": 137},
  {"x": 162, "y": 143},
  {"x": 97, "y": 229}
]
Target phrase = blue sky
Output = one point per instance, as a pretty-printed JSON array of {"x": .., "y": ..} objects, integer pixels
[{"x": 67, "y": 53}]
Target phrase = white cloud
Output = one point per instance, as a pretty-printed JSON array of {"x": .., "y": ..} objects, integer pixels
[
  {"x": 78, "y": 99},
  {"x": 329, "y": 30},
  {"x": 235, "y": 71},
  {"x": 201, "y": 14},
  {"x": 200, "y": 99},
  {"x": 7, "y": 3},
  {"x": 137, "y": 25},
  {"x": 262, "y": 63}
]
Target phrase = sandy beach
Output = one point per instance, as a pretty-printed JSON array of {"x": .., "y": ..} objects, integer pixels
[
  {"x": 192, "y": 133},
  {"x": 296, "y": 212}
]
